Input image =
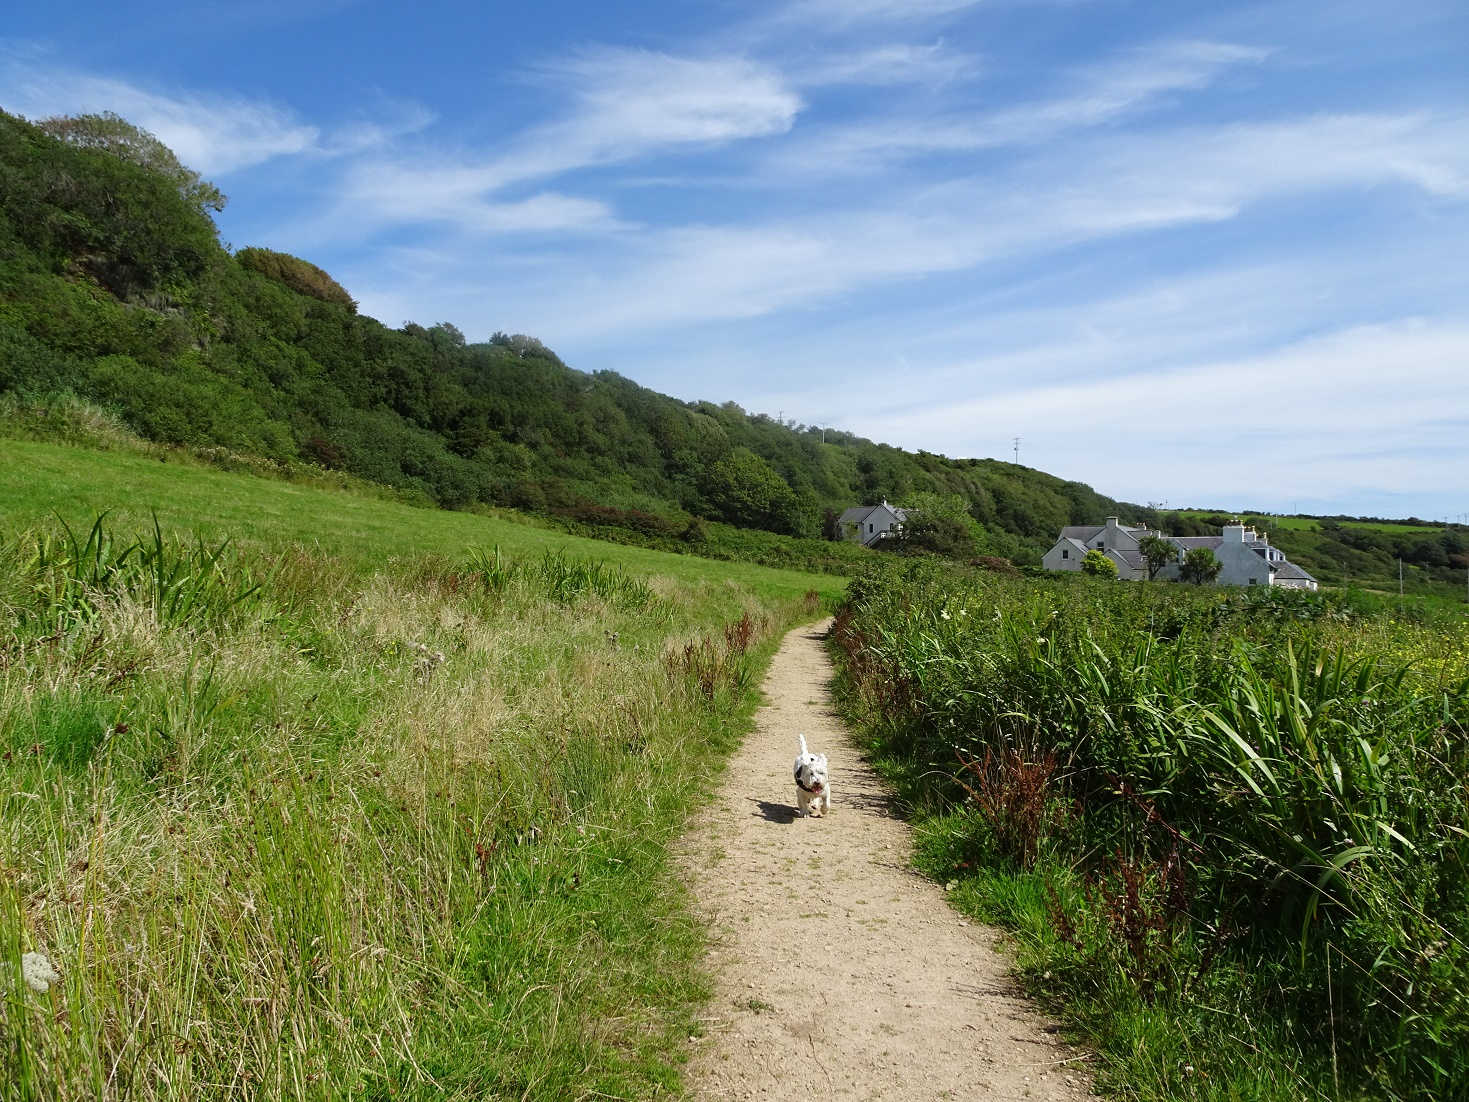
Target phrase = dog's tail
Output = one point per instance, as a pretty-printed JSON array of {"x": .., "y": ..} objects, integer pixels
[{"x": 803, "y": 744}]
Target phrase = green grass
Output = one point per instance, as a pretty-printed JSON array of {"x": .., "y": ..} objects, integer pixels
[
  {"x": 309, "y": 795},
  {"x": 39, "y": 478},
  {"x": 1313, "y": 524},
  {"x": 1227, "y": 829}
]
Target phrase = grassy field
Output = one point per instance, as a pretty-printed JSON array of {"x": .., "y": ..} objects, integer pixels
[
  {"x": 370, "y": 801},
  {"x": 1312, "y": 524},
  {"x": 39, "y": 479}
]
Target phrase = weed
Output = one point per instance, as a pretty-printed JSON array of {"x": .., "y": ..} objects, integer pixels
[
  {"x": 1013, "y": 791},
  {"x": 1264, "y": 796}
]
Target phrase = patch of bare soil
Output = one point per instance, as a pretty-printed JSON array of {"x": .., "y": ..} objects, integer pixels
[{"x": 841, "y": 973}]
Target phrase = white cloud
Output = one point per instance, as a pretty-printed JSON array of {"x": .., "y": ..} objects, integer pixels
[
  {"x": 1350, "y": 408},
  {"x": 626, "y": 105},
  {"x": 212, "y": 134},
  {"x": 849, "y": 13},
  {"x": 633, "y": 100},
  {"x": 1140, "y": 80},
  {"x": 891, "y": 64}
]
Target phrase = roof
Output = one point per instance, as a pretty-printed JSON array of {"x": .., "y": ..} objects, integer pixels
[
  {"x": 1081, "y": 532},
  {"x": 857, "y": 514},
  {"x": 1188, "y": 543},
  {"x": 1133, "y": 559},
  {"x": 1288, "y": 570}
]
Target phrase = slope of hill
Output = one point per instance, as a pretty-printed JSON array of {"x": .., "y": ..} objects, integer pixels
[{"x": 114, "y": 286}]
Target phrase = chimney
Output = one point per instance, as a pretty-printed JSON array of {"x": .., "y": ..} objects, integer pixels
[{"x": 1111, "y": 522}]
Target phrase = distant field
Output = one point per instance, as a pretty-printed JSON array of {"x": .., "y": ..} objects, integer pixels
[
  {"x": 37, "y": 478},
  {"x": 1311, "y": 524}
]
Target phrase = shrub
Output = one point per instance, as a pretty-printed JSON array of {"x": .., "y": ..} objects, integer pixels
[
  {"x": 299, "y": 275},
  {"x": 1098, "y": 565}
]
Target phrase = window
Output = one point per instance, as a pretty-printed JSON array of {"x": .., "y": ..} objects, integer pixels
[
  {"x": 869, "y": 529},
  {"x": 1065, "y": 553},
  {"x": 1252, "y": 581},
  {"x": 1101, "y": 544}
]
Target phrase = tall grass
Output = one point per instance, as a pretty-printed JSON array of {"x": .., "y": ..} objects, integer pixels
[
  {"x": 1244, "y": 793},
  {"x": 293, "y": 830}
]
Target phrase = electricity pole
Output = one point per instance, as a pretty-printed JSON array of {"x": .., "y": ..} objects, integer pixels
[{"x": 1016, "y": 442}]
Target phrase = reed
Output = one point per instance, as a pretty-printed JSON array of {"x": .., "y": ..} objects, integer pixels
[{"x": 1293, "y": 768}]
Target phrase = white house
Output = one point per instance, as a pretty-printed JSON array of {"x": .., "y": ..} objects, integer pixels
[
  {"x": 1118, "y": 541},
  {"x": 869, "y": 525},
  {"x": 1245, "y": 557}
]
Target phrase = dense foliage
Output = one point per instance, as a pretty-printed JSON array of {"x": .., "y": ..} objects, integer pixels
[
  {"x": 1249, "y": 798},
  {"x": 113, "y": 285}
]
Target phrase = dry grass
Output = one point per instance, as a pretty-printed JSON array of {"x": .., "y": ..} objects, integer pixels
[{"x": 393, "y": 834}]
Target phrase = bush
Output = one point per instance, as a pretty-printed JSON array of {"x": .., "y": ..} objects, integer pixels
[
  {"x": 1098, "y": 565},
  {"x": 297, "y": 274}
]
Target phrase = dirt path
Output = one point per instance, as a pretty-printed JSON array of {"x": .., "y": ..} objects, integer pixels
[{"x": 841, "y": 973}]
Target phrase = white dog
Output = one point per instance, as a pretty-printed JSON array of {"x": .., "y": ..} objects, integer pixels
[{"x": 813, "y": 788}]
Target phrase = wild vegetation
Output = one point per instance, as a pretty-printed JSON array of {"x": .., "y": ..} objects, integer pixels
[
  {"x": 116, "y": 291},
  {"x": 1230, "y": 830},
  {"x": 114, "y": 287},
  {"x": 355, "y": 803}
]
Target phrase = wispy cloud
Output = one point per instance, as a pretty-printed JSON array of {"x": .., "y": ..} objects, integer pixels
[
  {"x": 213, "y": 134},
  {"x": 1355, "y": 407},
  {"x": 628, "y": 101},
  {"x": 858, "y": 13},
  {"x": 1085, "y": 193},
  {"x": 884, "y": 65},
  {"x": 624, "y": 105},
  {"x": 1140, "y": 80}
]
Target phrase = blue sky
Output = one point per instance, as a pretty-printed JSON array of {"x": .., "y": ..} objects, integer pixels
[{"x": 1211, "y": 254}]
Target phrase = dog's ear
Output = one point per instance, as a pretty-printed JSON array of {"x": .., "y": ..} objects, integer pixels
[{"x": 798, "y": 771}]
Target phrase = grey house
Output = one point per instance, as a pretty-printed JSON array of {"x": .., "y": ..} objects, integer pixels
[
  {"x": 869, "y": 525},
  {"x": 1245, "y": 556}
]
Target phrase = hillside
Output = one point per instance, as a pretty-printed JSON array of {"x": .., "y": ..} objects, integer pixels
[
  {"x": 114, "y": 286},
  {"x": 115, "y": 289}
]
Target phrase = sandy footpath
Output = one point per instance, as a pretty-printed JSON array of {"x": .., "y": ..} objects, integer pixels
[{"x": 841, "y": 974}]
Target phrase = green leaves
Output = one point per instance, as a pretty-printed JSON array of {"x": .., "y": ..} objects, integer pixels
[{"x": 1313, "y": 777}]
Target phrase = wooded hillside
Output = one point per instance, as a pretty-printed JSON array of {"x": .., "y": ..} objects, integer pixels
[{"x": 114, "y": 287}]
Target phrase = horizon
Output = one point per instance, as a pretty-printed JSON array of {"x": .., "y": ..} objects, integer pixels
[{"x": 1181, "y": 256}]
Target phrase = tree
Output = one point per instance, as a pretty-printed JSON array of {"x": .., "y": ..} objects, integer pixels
[
  {"x": 941, "y": 523},
  {"x": 111, "y": 133},
  {"x": 299, "y": 275},
  {"x": 1200, "y": 566},
  {"x": 1159, "y": 551},
  {"x": 1098, "y": 565},
  {"x": 743, "y": 489}
]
